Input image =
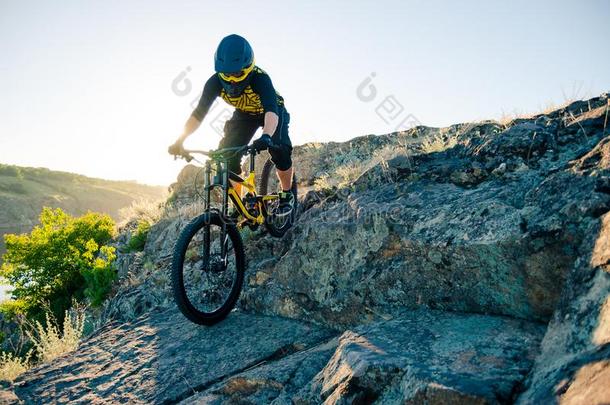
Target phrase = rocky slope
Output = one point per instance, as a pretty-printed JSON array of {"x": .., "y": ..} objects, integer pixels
[
  {"x": 467, "y": 264},
  {"x": 257, "y": 359}
]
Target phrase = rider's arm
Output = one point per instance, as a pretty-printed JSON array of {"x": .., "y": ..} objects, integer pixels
[
  {"x": 271, "y": 121},
  {"x": 262, "y": 85},
  {"x": 211, "y": 90},
  {"x": 191, "y": 126}
]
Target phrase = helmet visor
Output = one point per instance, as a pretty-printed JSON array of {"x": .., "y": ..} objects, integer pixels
[{"x": 236, "y": 77}]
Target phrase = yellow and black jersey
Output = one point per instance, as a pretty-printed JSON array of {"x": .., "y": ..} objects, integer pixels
[{"x": 255, "y": 95}]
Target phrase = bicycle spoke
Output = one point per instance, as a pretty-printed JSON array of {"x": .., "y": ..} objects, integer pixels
[{"x": 209, "y": 277}]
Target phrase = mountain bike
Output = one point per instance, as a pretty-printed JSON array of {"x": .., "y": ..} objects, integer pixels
[{"x": 209, "y": 261}]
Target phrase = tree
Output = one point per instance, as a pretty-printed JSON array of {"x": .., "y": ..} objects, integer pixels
[{"x": 61, "y": 259}]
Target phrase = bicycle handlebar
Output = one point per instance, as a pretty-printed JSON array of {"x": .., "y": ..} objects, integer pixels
[{"x": 219, "y": 152}]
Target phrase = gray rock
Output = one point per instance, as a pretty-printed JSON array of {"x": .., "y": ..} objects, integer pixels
[
  {"x": 428, "y": 357},
  {"x": 422, "y": 355},
  {"x": 575, "y": 361},
  {"x": 379, "y": 250},
  {"x": 276, "y": 382},
  {"x": 527, "y": 140},
  {"x": 437, "y": 230},
  {"x": 163, "y": 358},
  {"x": 8, "y": 397}
]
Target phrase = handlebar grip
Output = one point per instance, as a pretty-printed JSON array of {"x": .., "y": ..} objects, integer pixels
[{"x": 184, "y": 156}]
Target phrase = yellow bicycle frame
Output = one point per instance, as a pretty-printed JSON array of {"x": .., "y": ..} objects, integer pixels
[{"x": 250, "y": 185}]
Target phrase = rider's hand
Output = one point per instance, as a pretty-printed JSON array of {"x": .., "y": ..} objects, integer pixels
[
  {"x": 176, "y": 149},
  {"x": 262, "y": 143}
]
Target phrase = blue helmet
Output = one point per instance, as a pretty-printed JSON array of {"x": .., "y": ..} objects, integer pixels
[{"x": 234, "y": 56}]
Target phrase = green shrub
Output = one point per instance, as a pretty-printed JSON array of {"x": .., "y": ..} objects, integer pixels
[
  {"x": 14, "y": 187},
  {"x": 138, "y": 239},
  {"x": 99, "y": 278},
  {"x": 61, "y": 259},
  {"x": 12, "y": 308},
  {"x": 11, "y": 171}
]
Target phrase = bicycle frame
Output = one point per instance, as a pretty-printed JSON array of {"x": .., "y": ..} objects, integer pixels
[{"x": 219, "y": 164}]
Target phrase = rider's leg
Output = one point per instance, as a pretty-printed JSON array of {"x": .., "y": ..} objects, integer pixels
[
  {"x": 285, "y": 177},
  {"x": 238, "y": 131},
  {"x": 283, "y": 163},
  {"x": 284, "y": 170},
  {"x": 282, "y": 157}
]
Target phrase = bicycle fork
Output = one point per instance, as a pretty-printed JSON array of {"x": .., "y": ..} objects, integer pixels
[
  {"x": 224, "y": 236},
  {"x": 206, "y": 208}
]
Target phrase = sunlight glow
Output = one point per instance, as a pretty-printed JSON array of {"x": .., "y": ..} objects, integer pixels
[{"x": 89, "y": 87}]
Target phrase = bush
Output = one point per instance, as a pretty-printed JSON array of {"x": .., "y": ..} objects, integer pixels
[
  {"x": 12, "y": 308},
  {"x": 138, "y": 239},
  {"x": 99, "y": 278},
  {"x": 12, "y": 186},
  {"x": 61, "y": 259},
  {"x": 11, "y": 171}
]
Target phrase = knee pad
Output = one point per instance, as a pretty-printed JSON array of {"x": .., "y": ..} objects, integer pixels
[{"x": 281, "y": 157}]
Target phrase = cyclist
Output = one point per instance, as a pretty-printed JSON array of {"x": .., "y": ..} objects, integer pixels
[{"x": 248, "y": 88}]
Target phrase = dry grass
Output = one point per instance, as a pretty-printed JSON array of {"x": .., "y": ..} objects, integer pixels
[
  {"x": 507, "y": 118},
  {"x": 146, "y": 210},
  {"x": 50, "y": 343},
  {"x": 189, "y": 210},
  {"x": 349, "y": 172},
  {"x": 438, "y": 143},
  {"x": 12, "y": 366},
  {"x": 323, "y": 182},
  {"x": 576, "y": 94},
  {"x": 389, "y": 152},
  {"x": 152, "y": 212},
  {"x": 345, "y": 174}
]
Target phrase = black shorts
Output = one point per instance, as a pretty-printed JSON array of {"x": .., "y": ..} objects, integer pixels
[{"x": 240, "y": 129}]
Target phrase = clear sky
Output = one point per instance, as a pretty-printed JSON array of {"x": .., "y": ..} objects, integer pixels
[{"x": 95, "y": 87}]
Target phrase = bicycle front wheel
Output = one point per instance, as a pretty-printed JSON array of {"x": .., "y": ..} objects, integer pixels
[{"x": 208, "y": 269}]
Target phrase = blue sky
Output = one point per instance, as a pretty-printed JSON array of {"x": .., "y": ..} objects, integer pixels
[{"x": 94, "y": 87}]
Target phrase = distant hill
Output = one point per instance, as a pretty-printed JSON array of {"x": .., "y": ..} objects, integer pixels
[{"x": 25, "y": 190}]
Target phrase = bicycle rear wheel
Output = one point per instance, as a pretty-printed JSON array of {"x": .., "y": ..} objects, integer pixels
[
  {"x": 207, "y": 281},
  {"x": 276, "y": 225}
]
